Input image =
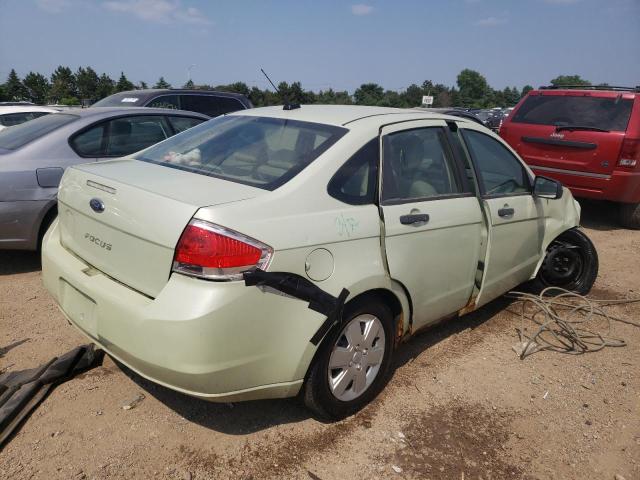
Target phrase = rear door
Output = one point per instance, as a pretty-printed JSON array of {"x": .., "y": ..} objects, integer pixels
[
  {"x": 515, "y": 221},
  {"x": 432, "y": 221},
  {"x": 548, "y": 131}
]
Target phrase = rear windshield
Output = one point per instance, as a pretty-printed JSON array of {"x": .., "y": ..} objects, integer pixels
[
  {"x": 121, "y": 100},
  {"x": 258, "y": 151},
  {"x": 12, "y": 119},
  {"x": 15, "y": 137},
  {"x": 559, "y": 110}
]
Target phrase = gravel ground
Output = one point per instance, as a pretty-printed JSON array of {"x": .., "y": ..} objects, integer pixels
[{"x": 460, "y": 404}]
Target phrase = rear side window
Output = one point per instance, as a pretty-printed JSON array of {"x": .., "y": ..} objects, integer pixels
[
  {"x": 11, "y": 119},
  {"x": 165, "y": 101},
  {"x": 131, "y": 134},
  {"x": 210, "y": 105},
  {"x": 417, "y": 165},
  {"x": 259, "y": 151},
  {"x": 180, "y": 124},
  {"x": 356, "y": 181},
  {"x": 559, "y": 110},
  {"x": 499, "y": 172},
  {"x": 90, "y": 142},
  {"x": 18, "y": 136}
]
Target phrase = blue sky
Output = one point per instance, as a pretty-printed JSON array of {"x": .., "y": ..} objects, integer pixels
[{"x": 326, "y": 43}]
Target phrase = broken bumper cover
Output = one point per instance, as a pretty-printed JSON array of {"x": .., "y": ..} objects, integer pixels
[{"x": 220, "y": 341}]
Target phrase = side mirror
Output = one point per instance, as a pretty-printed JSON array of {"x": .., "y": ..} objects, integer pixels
[{"x": 544, "y": 187}]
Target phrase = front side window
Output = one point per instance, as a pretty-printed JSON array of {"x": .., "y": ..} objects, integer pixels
[
  {"x": 355, "y": 182},
  {"x": 417, "y": 165},
  {"x": 500, "y": 172},
  {"x": 131, "y": 134},
  {"x": 259, "y": 151}
]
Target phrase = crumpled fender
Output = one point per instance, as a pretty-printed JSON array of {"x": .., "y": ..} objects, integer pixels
[{"x": 296, "y": 286}]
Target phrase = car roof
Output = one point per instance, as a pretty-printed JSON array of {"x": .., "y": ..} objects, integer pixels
[
  {"x": 6, "y": 109},
  {"x": 341, "y": 115},
  {"x": 105, "y": 112},
  {"x": 150, "y": 92}
]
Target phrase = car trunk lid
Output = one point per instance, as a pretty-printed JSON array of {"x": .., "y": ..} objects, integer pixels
[{"x": 125, "y": 217}]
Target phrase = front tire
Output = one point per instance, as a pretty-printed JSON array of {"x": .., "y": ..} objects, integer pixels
[
  {"x": 352, "y": 365},
  {"x": 630, "y": 215},
  {"x": 571, "y": 262}
]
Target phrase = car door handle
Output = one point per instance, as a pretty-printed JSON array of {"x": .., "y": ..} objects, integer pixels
[
  {"x": 506, "y": 212},
  {"x": 414, "y": 218}
]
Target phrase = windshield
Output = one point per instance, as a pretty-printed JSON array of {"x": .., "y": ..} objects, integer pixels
[
  {"x": 257, "y": 151},
  {"x": 127, "y": 99},
  {"x": 563, "y": 110},
  {"x": 19, "y": 135}
]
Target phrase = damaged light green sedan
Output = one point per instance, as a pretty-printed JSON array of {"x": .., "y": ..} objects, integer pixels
[{"x": 275, "y": 252}]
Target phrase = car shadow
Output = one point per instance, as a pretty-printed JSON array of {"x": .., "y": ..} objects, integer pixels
[
  {"x": 248, "y": 417},
  {"x": 18, "y": 261},
  {"x": 600, "y": 215}
]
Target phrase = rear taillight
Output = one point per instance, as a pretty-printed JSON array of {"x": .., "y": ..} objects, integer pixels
[
  {"x": 629, "y": 153},
  {"x": 213, "y": 252}
]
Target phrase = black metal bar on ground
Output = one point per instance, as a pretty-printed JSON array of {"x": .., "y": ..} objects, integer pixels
[{"x": 22, "y": 391}]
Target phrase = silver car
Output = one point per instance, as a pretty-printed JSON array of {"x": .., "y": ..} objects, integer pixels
[{"x": 34, "y": 155}]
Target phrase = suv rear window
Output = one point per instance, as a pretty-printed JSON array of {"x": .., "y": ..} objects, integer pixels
[
  {"x": 559, "y": 110},
  {"x": 258, "y": 151},
  {"x": 121, "y": 100},
  {"x": 15, "y": 137}
]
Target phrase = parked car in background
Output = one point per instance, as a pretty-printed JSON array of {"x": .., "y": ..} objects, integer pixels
[
  {"x": 207, "y": 102},
  {"x": 410, "y": 216},
  {"x": 496, "y": 117},
  {"x": 11, "y": 115},
  {"x": 33, "y": 157},
  {"x": 586, "y": 137}
]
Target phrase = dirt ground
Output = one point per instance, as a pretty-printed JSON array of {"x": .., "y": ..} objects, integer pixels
[{"x": 460, "y": 404}]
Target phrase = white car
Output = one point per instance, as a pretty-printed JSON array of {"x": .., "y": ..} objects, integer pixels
[
  {"x": 11, "y": 115},
  {"x": 272, "y": 251}
]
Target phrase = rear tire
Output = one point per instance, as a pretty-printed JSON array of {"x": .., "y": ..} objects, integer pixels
[
  {"x": 630, "y": 215},
  {"x": 571, "y": 262},
  {"x": 337, "y": 391}
]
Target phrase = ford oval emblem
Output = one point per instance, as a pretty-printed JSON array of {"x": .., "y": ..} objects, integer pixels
[{"x": 96, "y": 205}]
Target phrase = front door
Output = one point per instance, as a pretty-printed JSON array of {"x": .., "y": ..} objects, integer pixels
[
  {"x": 515, "y": 220},
  {"x": 432, "y": 221}
]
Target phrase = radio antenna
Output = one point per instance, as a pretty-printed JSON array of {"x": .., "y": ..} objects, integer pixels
[{"x": 287, "y": 104}]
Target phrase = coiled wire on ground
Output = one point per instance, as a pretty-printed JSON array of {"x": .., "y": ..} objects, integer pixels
[{"x": 566, "y": 322}]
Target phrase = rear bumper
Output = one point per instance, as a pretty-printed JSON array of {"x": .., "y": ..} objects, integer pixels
[
  {"x": 219, "y": 341},
  {"x": 620, "y": 186}
]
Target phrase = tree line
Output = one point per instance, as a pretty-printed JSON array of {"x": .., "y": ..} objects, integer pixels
[{"x": 66, "y": 87}]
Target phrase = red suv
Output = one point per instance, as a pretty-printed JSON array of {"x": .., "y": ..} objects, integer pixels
[{"x": 586, "y": 137}]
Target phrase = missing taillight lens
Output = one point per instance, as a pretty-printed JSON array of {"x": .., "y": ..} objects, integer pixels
[{"x": 213, "y": 252}]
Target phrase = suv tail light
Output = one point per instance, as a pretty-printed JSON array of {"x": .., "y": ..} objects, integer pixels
[
  {"x": 209, "y": 251},
  {"x": 629, "y": 153}
]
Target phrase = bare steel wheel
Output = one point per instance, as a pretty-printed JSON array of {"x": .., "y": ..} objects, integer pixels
[
  {"x": 352, "y": 363},
  {"x": 356, "y": 357}
]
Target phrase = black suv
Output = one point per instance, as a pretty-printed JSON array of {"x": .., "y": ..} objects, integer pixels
[{"x": 208, "y": 102}]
